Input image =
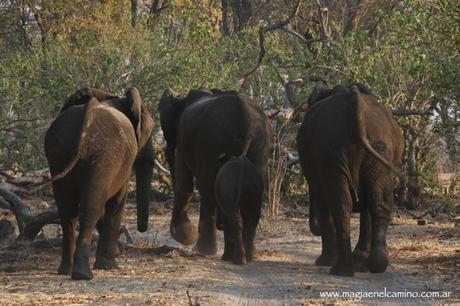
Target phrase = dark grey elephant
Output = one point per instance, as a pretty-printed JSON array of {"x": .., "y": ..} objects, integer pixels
[
  {"x": 239, "y": 191},
  {"x": 91, "y": 148},
  {"x": 203, "y": 131},
  {"x": 349, "y": 145}
]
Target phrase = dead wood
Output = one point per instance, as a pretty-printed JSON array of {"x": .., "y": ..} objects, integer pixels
[
  {"x": 27, "y": 183},
  {"x": 262, "y": 31},
  {"x": 29, "y": 225},
  {"x": 33, "y": 228}
]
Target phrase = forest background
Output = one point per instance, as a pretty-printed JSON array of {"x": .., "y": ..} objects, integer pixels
[{"x": 275, "y": 51}]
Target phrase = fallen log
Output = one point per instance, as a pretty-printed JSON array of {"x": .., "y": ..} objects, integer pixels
[
  {"x": 21, "y": 210},
  {"x": 27, "y": 183},
  {"x": 29, "y": 225},
  {"x": 36, "y": 223}
]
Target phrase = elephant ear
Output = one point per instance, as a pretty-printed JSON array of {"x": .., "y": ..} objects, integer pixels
[
  {"x": 169, "y": 109},
  {"x": 83, "y": 95},
  {"x": 196, "y": 94},
  {"x": 143, "y": 122},
  {"x": 319, "y": 92}
]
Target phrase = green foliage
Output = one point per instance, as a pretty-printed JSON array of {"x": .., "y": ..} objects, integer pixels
[{"x": 407, "y": 54}]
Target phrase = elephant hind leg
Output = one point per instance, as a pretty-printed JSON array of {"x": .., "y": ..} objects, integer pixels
[
  {"x": 182, "y": 230},
  {"x": 315, "y": 204},
  {"x": 328, "y": 255},
  {"x": 90, "y": 212},
  {"x": 249, "y": 234},
  {"x": 381, "y": 207},
  {"x": 338, "y": 200},
  {"x": 363, "y": 247},
  {"x": 236, "y": 225},
  {"x": 206, "y": 243},
  {"x": 67, "y": 202},
  {"x": 108, "y": 227},
  {"x": 68, "y": 245},
  {"x": 228, "y": 239}
]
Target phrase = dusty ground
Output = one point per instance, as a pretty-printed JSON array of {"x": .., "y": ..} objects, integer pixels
[{"x": 423, "y": 258}]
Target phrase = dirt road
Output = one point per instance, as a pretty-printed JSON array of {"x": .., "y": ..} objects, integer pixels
[{"x": 423, "y": 259}]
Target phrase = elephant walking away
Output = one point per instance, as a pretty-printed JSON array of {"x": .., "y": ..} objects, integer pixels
[
  {"x": 203, "y": 131},
  {"x": 349, "y": 145},
  {"x": 91, "y": 148},
  {"x": 239, "y": 190}
]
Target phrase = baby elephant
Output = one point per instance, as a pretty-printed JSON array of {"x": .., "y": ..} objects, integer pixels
[{"x": 239, "y": 189}]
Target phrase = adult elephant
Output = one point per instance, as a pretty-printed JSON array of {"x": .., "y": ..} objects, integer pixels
[
  {"x": 349, "y": 145},
  {"x": 91, "y": 148},
  {"x": 203, "y": 131}
]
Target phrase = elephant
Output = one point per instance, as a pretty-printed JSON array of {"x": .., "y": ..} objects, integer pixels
[
  {"x": 349, "y": 147},
  {"x": 91, "y": 148},
  {"x": 239, "y": 191},
  {"x": 203, "y": 131}
]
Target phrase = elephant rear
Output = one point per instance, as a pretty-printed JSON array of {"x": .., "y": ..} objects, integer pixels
[
  {"x": 238, "y": 186},
  {"x": 239, "y": 190},
  {"x": 348, "y": 146},
  {"x": 203, "y": 129}
]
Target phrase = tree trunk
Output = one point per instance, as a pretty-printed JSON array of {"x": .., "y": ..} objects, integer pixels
[
  {"x": 243, "y": 10},
  {"x": 413, "y": 190},
  {"x": 354, "y": 12},
  {"x": 134, "y": 13},
  {"x": 225, "y": 27}
]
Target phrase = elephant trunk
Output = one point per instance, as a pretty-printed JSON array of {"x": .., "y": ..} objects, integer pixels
[{"x": 144, "y": 169}]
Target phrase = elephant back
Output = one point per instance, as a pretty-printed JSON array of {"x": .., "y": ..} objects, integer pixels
[{"x": 237, "y": 182}]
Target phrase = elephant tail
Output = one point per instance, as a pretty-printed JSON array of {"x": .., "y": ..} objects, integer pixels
[
  {"x": 93, "y": 102},
  {"x": 360, "y": 105}
]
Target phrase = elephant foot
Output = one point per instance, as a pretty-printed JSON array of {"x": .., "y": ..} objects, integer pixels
[
  {"x": 360, "y": 261},
  {"x": 342, "y": 270},
  {"x": 378, "y": 260},
  {"x": 250, "y": 257},
  {"x": 184, "y": 233},
  {"x": 65, "y": 269},
  {"x": 206, "y": 247},
  {"x": 105, "y": 264},
  {"x": 315, "y": 227},
  {"x": 239, "y": 259},
  {"x": 81, "y": 272},
  {"x": 326, "y": 260}
]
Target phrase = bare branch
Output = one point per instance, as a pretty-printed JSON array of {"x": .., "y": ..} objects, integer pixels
[
  {"x": 27, "y": 183},
  {"x": 323, "y": 14},
  {"x": 29, "y": 225},
  {"x": 262, "y": 32},
  {"x": 290, "y": 85},
  {"x": 161, "y": 167},
  {"x": 354, "y": 12},
  {"x": 36, "y": 223},
  {"x": 124, "y": 230},
  {"x": 411, "y": 112},
  {"x": 20, "y": 209}
]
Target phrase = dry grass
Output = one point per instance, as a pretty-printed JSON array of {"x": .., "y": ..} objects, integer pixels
[
  {"x": 149, "y": 274},
  {"x": 277, "y": 167}
]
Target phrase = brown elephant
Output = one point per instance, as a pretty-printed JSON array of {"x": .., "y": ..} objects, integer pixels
[
  {"x": 91, "y": 148},
  {"x": 349, "y": 145}
]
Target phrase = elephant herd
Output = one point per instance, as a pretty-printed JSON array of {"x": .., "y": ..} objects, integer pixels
[{"x": 349, "y": 147}]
